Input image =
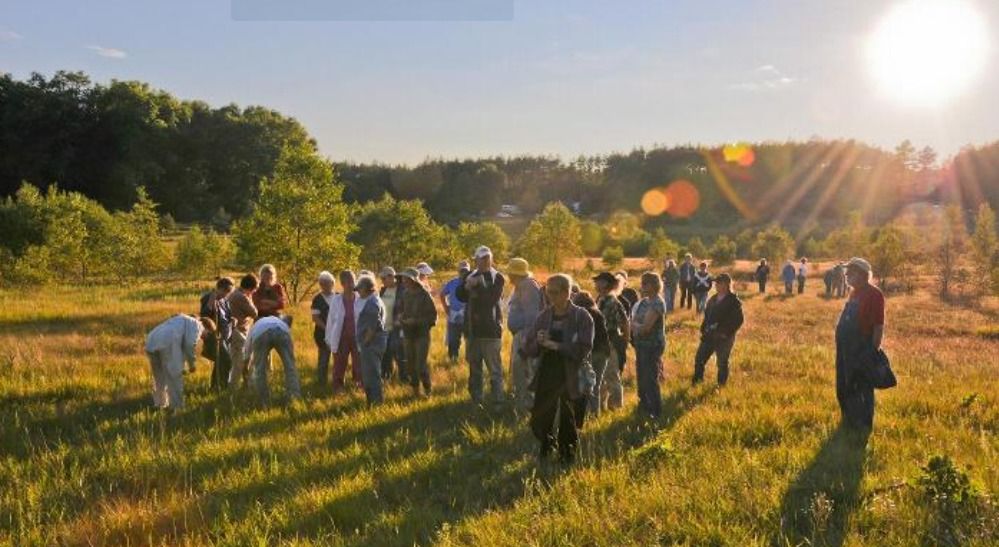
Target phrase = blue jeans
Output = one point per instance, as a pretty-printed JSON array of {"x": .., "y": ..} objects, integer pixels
[
  {"x": 647, "y": 357},
  {"x": 670, "y": 296},
  {"x": 394, "y": 351},
  {"x": 702, "y": 299},
  {"x": 371, "y": 370},
  {"x": 454, "y": 340},
  {"x": 280, "y": 341}
]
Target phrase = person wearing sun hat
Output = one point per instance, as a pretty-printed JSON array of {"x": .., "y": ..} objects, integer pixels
[
  {"x": 481, "y": 292},
  {"x": 419, "y": 315},
  {"x": 425, "y": 272},
  {"x": 525, "y": 305},
  {"x": 860, "y": 330}
]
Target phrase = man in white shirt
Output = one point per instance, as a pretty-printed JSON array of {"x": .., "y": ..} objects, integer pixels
[
  {"x": 168, "y": 347},
  {"x": 802, "y": 274},
  {"x": 272, "y": 333}
]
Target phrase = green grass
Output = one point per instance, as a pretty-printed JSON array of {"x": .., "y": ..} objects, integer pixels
[{"x": 83, "y": 459}]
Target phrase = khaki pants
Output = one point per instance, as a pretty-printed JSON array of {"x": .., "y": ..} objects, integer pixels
[
  {"x": 236, "y": 348},
  {"x": 610, "y": 389}
]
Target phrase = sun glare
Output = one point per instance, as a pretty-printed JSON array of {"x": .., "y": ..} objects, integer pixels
[{"x": 927, "y": 52}]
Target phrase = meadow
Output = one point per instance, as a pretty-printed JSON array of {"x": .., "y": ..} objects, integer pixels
[{"x": 85, "y": 460}]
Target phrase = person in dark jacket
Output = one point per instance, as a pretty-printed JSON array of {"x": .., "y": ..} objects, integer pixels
[
  {"x": 788, "y": 275},
  {"x": 722, "y": 319},
  {"x": 702, "y": 286},
  {"x": 671, "y": 280},
  {"x": 563, "y": 340},
  {"x": 215, "y": 306},
  {"x": 628, "y": 296},
  {"x": 763, "y": 275},
  {"x": 391, "y": 294},
  {"x": 859, "y": 332},
  {"x": 481, "y": 291},
  {"x": 419, "y": 315},
  {"x": 828, "y": 279},
  {"x": 601, "y": 348},
  {"x": 320, "y": 314},
  {"x": 687, "y": 271}
]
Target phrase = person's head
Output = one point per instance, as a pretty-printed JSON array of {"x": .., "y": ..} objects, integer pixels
[
  {"x": 606, "y": 283},
  {"x": 804, "y": 260},
  {"x": 387, "y": 275},
  {"x": 723, "y": 283},
  {"x": 763, "y": 262},
  {"x": 326, "y": 282},
  {"x": 688, "y": 258},
  {"x": 347, "y": 281},
  {"x": 365, "y": 286},
  {"x": 463, "y": 268},
  {"x": 858, "y": 272},
  {"x": 207, "y": 326},
  {"x": 268, "y": 275},
  {"x": 483, "y": 258},
  {"x": 622, "y": 279},
  {"x": 670, "y": 263},
  {"x": 703, "y": 266},
  {"x": 557, "y": 289},
  {"x": 410, "y": 278},
  {"x": 518, "y": 269},
  {"x": 224, "y": 286},
  {"x": 652, "y": 284},
  {"x": 583, "y": 299},
  {"x": 425, "y": 271},
  {"x": 249, "y": 283}
]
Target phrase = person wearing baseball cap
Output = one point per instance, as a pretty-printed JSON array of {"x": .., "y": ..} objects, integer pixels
[
  {"x": 481, "y": 292},
  {"x": 391, "y": 294},
  {"x": 526, "y": 303},
  {"x": 454, "y": 310},
  {"x": 860, "y": 330},
  {"x": 722, "y": 319}
]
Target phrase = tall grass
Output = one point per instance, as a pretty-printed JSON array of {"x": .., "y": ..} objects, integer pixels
[{"x": 83, "y": 459}]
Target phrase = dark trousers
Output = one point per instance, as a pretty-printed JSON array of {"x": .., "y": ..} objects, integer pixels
[
  {"x": 801, "y": 284},
  {"x": 323, "y": 364},
  {"x": 553, "y": 408},
  {"x": 763, "y": 285},
  {"x": 648, "y": 363},
  {"x": 788, "y": 287},
  {"x": 686, "y": 296},
  {"x": 394, "y": 352},
  {"x": 453, "y": 333},
  {"x": 721, "y": 348},
  {"x": 220, "y": 369},
  {"x": 417, "y": 349}
]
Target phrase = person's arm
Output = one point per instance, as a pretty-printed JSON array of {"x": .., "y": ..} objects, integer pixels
[
  {"x": 443, "y": 298},
  {"x": 428, "y": 312},
  {"x": 317, "y": 313},
  {"x": 189, "y": 341},
  {"x": 282, "y": 299},
  {"x": 877, "y": 336}
]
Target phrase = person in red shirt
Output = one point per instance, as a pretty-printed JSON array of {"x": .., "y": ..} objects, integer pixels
[
  {"x": 860, "y": 331},
  {"x": 269, "y": 298}
]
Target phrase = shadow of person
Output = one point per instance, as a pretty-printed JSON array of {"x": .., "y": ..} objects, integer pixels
[{"x": 816, "y": 507}]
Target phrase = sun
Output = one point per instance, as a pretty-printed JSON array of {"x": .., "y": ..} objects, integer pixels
[{"x": 925, "y": 53}]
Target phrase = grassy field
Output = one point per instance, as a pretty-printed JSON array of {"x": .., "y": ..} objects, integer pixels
[{"x": 84, "y": 460}]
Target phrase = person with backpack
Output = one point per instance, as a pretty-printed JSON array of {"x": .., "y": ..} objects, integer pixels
[
  {"x": 687, "y": 271},
  {"x": 762, "y": 275},
  {"x": 722, "y": 319},
  {"x": 702, "y": 286},
  {"x": 526, "y": 303},
  {"x": 859, "y": 332}
]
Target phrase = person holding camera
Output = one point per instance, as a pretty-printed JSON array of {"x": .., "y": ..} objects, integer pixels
[
  {"x": 562, "y": 341},
  {"x": 481, "y": 291},
  {"x": 722, "y": 319}
]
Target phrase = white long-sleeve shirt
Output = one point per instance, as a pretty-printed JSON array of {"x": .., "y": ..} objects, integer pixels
[{"x": 178, "y": 337}]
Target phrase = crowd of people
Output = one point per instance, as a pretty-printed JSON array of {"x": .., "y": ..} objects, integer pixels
[{"x": 568, "y": 351}]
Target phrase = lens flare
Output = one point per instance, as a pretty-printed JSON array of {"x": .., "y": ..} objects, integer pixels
[
  {"x": 655, "y": 202},
  {"x": 682, "y": 199},
  {"x": 740, "y": 154}
]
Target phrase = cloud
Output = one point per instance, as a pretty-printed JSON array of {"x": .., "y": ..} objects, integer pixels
[
  {"x": 768, "y": 77},
  {"x": 9, "y": 36},
  {"x": 108, "y": 52}
]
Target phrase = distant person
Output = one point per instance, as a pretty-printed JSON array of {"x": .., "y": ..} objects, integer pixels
[
  {"x": 802, "y": 275},
  {"x": 273, "y": 333},
  {"x": 628, "y": 296},
  {"x": 860, "y": 331},
  {"x": 215, "y": 306},
  {"x": 454, "y": 311},
  {"x": 598, "y": 361},
  {"x": 341, "y": 333},
  {"x": 763, "y": 275},
  {"x": 671, "y": 281},
  {"x": 562, "y": 341},
  {"x": 243, "y": 314},
  {"x": 722, "y": 319},
  {"x": 702, "y": 286},
  {"x": 392, "y": 295},
  {"x": 418, "y": 316},
  {"x": 648, "y": 334},
  {"x": 372, "y": 338},
  {"x": 787, "y": 275},
  {"x": 609, "y": 389},
  {"x": 839, "y": 280},
  {"x": 320, "y": 316},
  {"x": 168, "y": 346},
  {"x": 481, "y": 291},
  {"x": 687, "y": 271},
  {"x": 526, "y": 303},
  {"x": 829, "y": 280},
  {"x": 269, "y": 298}
]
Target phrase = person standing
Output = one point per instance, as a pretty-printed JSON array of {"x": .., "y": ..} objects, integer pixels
[
  {"x": 391, "y": 294},
  {"x": 859, "y": 332},
  {"x": 722, "y": 319},
  {"x": 525, "y": 305},
  {"x": 763, "y": 275},
  {"x": 372, "y": 338},
  {"x": 243, "y": 314},
  {"x": 671, "y": 279},
  {"x": 215, "y": 306},
  {"x": 839, "y": 280},
  {"x": 320, "y": 315},
  {"x": 341, "y": 333},
  {"x": 270, "y": 297},
  {"x": 687, "y": 272},
  {"x": 787, "y": 275},
  {"x": 599, "y": 355},
  {"x": 628, "y": 296},
  {"x": 702, "y": 286},
  {"x": 802, "y": 274},
  {"x": 418, "y": 316},
  {"x": 562, "y": 341},
  {"x": 481, "y": 291},
  {"x": 168, "y": 346},
  {"x": 425, "y": 273},
  {"x": 273, "y": 333},
  {"x": 649, "y": 338},
  {"x": 609, "y": 389},
  {"x": 454, "y": 311},
  {"x": 829, "y": 279}
]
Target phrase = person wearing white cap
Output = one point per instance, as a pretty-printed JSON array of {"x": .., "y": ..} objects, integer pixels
[
  {"x": 859, "y": 332},
  {"x": 481, "y": 292},
  {"x": 454, "y": 311}
]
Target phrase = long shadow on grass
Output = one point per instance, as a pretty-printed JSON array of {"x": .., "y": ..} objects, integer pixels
[
  {"x": 92, "y": 324},
  {"x": 816, "y": 508}
]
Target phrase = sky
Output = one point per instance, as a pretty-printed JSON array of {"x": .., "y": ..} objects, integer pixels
[{"x": 558, "y": 77}]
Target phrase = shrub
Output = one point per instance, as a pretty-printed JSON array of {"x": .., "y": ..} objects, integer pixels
[
  {"x": 613, "y": 257},
  {"x": 723, "y": 251}
]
